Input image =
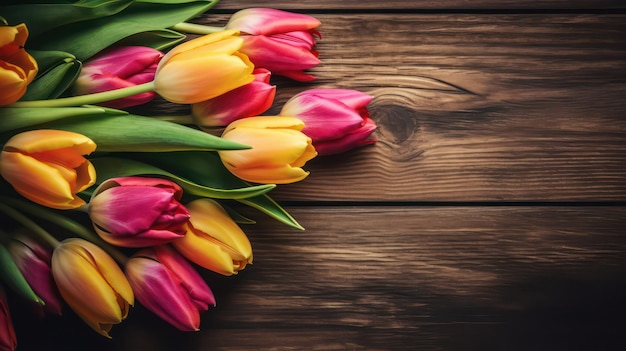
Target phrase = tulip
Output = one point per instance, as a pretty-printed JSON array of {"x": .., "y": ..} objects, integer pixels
[
  {"x": 92, "y": 284},
  {"x": 279, "y": 150},
  {"x": 213, "y": 240},
  {"x": 48, "y": 167},
  {"x": 138, "y": 211},
  {"x": 17, "y": 68},
  {"x": 8, "y": 340},
  {"x": 166, "y": 284},
  {"x": 203, "y": 68},
  {"x": 33, "y": 260},
  {"x": 224, "y": 109},
  {"x": 278, "y": 40},
  {"x": 118, "y": 68},
  {"x": 337, "y": 120}
]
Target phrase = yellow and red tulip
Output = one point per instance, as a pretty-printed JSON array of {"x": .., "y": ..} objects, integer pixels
[
  {"x": 279, "y": 150},
  {"x": 17, "y": 67},
  {"x": 337, "y": 120},
  {"x": 203, "y": 68},
  {"x": 166, "y": 284},
  {"x": 224, "y": 109},
  {"x": 92, "y": 284},
  {"x": 213, "y": 240},
  {"x": 117, "y": 68},
  {"x": 138, "y": 211},
  {"x": 48, "y": 167},
  {"x": 278, "y": 40}
]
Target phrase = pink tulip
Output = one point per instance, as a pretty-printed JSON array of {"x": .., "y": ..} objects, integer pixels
[
  {"x": 8, "y": 340},
  {"x": 117, "y": 68},
  {"x": 278, "y": 40},
  {"x": 166, "y": 284},
  {"x": 138, "y": 211},
  {"x": 337, "y": 120},
  {"x": 224, "y": 109},
  {"x": 33, "y": 260}
]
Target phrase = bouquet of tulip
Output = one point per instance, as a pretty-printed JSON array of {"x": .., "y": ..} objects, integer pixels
[{"x": 100, "y": 206}]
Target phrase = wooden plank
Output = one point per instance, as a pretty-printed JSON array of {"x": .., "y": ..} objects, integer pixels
[
  {"x": 347, "y": 5},
  {"x": 436, "y": 278},
  {"x": 475, "y": 108}
]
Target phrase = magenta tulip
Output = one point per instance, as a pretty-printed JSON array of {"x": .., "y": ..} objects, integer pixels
[
  {"x": 337, "y": 120},
  {"x": 278, "y": 40},
  {"x": 224, "y": 109},
  {"x": 33, "y": 260},
  {"x": 118, "y": 68},
  {"x": 8, "y": 340},
  {"x": 166, "y": 284},
  {"x": 138, "y": 211}
]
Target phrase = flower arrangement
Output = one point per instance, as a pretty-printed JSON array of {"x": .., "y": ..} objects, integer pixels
[{"x": 101, "y": 206}]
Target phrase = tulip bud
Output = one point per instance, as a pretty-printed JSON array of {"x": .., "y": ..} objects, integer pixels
[
  {"x": 166, "y": 284},
  {"x": 33, "y": 260},
  {"x": 224, "y": 109},
  {"x": 17, "y": 68},
  {"x": 117, "y": 68},
  {"x": 8, "y": 340},
  {"x": 337, "y": 120},
  {"x": 48, "y": 167},
  {"x": 138, "y": 211},
  {"x": 203, "y": 68},
  {"x": 92, "y": 284},
  {"x": 278, "y": 40},
  {"x": 213, "y": 240},
  {"x": 279, "y": 150}
]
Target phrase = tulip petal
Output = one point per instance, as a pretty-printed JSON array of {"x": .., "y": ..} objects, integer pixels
[{"x": 267, "y": 21}]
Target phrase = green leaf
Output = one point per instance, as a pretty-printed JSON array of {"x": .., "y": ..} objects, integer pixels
[
  {"x": 22, "y": 118},
  {"x": 265, "y": 204},
  {"x": 57, "y": 72},
  {"x": 111, "y": 167},
  {"x": 132, "y": 133},
  {"x": 44, "y": 18},
  {"x": 12, "y": 276},
  {"x": 160, "y": 39},
  {"x": 78, "y": 38}
]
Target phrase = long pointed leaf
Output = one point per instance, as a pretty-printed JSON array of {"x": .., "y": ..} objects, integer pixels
[
  {"x": 15, "y": 118},
  {"x": 57, "y": 72},
  {"x": 111, "y": 167},
  {"x": 265, "y": 204},
  {"x": 11, "y": 275}
]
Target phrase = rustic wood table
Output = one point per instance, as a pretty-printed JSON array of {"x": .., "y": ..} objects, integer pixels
[{"x": 489, "y": 216}]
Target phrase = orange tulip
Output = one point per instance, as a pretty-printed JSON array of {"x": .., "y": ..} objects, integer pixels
[
  {"x": 213, "y": 240},
  {"x": 279, "y": 150},
  {"x": 47, "y": 166},
  {"x": 203, "y": 68},
  {"x": 17, "y": 67}
]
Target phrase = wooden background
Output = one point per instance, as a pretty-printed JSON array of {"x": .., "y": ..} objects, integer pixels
[{"x": 489, "y": 216}]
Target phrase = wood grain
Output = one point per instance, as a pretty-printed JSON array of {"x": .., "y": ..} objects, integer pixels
[
  {"x": 398, "y": 5},
  {"x": 397, "y": 278},
  {"x": 476, "y": 108}
]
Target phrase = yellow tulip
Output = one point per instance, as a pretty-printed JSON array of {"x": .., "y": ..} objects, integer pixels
[
  {"x": 92, "y": 284},
  {"x": 203, "y": 68},
  {"x": 17, "y": 67},
  {"x": 48, "y": 167},
  {"x": 213, "y": 240},
  {"x": 279, "y": 150}
]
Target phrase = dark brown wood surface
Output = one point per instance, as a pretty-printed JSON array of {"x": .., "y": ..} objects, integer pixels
[{"x": 489, "y": 216}]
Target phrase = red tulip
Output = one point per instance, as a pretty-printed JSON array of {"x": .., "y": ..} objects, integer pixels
[
  {"x": 118, "y": 68},
  {"x": 278, "y": 40},
  {"x": 337, "y": 120},
  {"x": 8, "y": 340},
  {"x": 138, "y": 211},
  {"x": 224, "y": 109},
  {"x": 166, "y": 284}
]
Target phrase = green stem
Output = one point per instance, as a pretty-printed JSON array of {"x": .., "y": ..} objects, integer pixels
[
  {"x": 90, "y": 99},
  {"x": 28, "y": 223},
  {"x": 192, "y": 28}
]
